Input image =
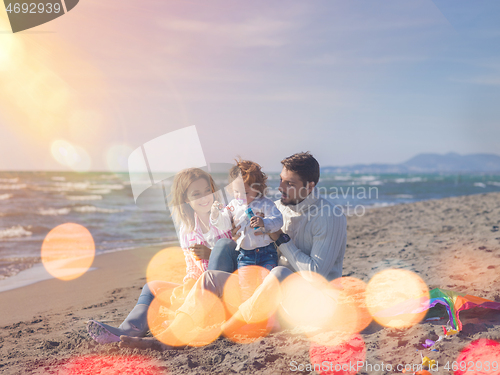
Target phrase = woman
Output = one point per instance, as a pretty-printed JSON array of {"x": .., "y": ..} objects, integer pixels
[{"x": 192, "y": 198}]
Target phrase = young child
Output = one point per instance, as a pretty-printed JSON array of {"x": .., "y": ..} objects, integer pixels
[{"x": 247, "y": 185}]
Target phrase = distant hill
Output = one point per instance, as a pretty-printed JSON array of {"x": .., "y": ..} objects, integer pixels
[{"x": 428, "y": 163}]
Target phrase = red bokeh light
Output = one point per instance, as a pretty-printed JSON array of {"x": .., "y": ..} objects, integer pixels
[
  {"x": 107, "y": 365},
  {"x": 343, "y": 357},
  {"x": 479, "y": 357}
]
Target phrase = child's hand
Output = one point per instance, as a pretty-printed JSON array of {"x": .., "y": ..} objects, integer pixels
[
  {"x": 256, "y": 222},
  {"x": 214, "y": 212}
]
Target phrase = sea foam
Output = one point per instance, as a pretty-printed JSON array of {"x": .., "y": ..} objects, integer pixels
[
  {"x": 9, "y": 180},
  {"x": 13, "y": 187},
  {"x": 84, "y": 197},
  {"x": 90, "y": 209},
  {"x": 53, "y": 211},
  {"x": 106, "y": 186},
  {"x": 17, "y": 231}
]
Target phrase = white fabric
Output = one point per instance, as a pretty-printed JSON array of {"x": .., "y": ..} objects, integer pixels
[
  {"x": 211, "y": 237},
  {"x": 318, "y": 232},
  {"x": 250, "y": 239}
]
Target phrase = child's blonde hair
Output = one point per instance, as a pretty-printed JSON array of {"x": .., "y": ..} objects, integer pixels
[
  {"x": 251, "y": 174},
  {"x": 180, "y": 209}
]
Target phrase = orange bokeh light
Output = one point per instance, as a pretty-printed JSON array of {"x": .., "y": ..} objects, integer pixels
[
  {"x": 68, "y": 251},
  {"x": 352, "y": 312},
  {"x": 308, "y": 301},
  {"x": 159, "y": 314},
  {"x": 201, "y": 329},
  {"x": 351, "y": 315},
  {"x": 391, "y": 287},
  {"x": 166, "y": 265},
  {"x": 479, "y": 357},
  {"x": 249, "y": 332},
  {"x": 242, "y": 285}
]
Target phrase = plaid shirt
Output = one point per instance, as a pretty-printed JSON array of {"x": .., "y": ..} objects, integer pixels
[{"x": 194, "y": 268}]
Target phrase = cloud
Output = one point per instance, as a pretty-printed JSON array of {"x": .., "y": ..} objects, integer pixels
[
  {"x": 365, "y": 60},
  {"x": 253, "y": 32}
]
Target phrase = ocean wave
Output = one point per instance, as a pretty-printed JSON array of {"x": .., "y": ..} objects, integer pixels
[
  {"x": 64, "y": 186},
  {"x": 5, "y": 196},
  {"x": 72, "y": 185},
  {"x": 410, "y": 179},
  {"x": 58, "y": 178},
  {"x": 84, "y": 197},
  {"x": 13, "y": 187},
  {"x": 17, "y": 231},
  {"x": 479, "y": 184},
  {"x": 376, "y": 182},
  {"x": 91, "y": 209},
  {"x": 404, "y": 196},
  {"x": 9, "y": 180},
  {"x": 381, "y": 204},
  {"x": 101, "y": 191},
  {"x": 12, "y": 266},
  {"x": 106, "y": 186},
  {"x": 367, "y": 178},
  {"x": 53, "y": 211},
  {"x": 494, "y": 183}
]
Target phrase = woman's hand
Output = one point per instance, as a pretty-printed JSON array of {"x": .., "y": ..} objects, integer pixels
[{"x": 201, "y": 251}]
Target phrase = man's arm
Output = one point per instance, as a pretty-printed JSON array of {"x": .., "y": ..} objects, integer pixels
[
  {"x": 328, "y": 244},
  {"x": 273, "y": 220}
]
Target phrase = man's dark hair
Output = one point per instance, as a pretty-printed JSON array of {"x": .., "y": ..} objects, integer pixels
[{"x": 305, "y": 165}]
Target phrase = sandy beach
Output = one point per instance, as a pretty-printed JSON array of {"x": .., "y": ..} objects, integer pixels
[{"x": 452, "y": 243}]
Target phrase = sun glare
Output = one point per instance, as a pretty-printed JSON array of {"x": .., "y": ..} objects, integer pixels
[{"x": 72, "y": 156}]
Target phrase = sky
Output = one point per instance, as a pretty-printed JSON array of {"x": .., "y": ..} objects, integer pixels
[{"x": 350, "y": 81}]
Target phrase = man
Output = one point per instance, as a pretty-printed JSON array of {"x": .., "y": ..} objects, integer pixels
[
  {"x": 312, "y": 239},
  {"x": 309, "y": 220}
]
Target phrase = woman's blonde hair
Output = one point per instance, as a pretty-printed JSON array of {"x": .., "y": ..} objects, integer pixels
[{"x": 180, "y": 209}]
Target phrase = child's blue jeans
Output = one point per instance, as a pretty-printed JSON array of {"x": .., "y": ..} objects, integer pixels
[
  {"x": 251, "y": 277},
  {"x": 266, "y": 257}
]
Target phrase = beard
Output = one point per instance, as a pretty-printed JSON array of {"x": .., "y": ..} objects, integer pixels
[{"x": 290, "y": 202}]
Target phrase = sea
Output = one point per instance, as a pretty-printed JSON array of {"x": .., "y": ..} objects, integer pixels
[{"x": 33, "y": 203}]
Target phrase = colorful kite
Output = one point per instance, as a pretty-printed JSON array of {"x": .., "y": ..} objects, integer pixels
[{"x": 453, "y": 301}]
